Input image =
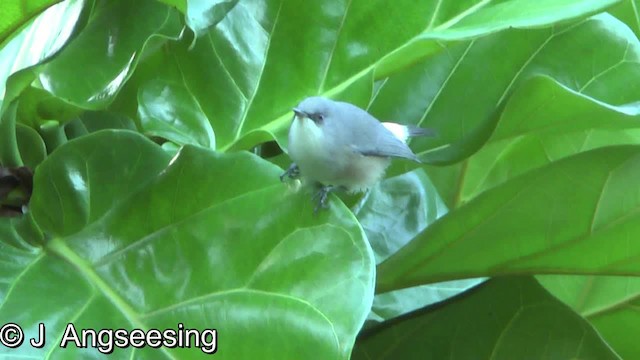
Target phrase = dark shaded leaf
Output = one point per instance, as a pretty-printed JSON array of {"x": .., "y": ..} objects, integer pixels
[{"x": 508, "y": 318}]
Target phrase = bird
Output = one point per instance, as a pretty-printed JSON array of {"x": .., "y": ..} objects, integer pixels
[{"x": 338, "y": 145}]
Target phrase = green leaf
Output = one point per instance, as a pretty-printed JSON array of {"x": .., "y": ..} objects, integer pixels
[
  {"x": 247, "y": 71},
  {"x": 506, "y": 318},
  {"x": 37, "y": 107},
  {"x": 94, "y": 65},
  {"x": 575, "y": 215},
  {"x": 542, "y": 122},
  {"x": 617, "y": 326},
  {"x": 14, "y": 247},
  {"x": 392, "y": 214},
  {"x": 39, "y": 39},
  {"x": 31, "y": 146},
  {"x": 465, "y": 112},
  {"x": 169, "y": 111},
  {"x": 9, "y": 152},
  {"x": 178, "y": 4},
  {"x": 16, "y": 13},
  {"x": 77, "y": 184},
  {"x": 397, "y": 209},
  {"x": 156, "y": 64},
  {"x": 202, "y": 14},
  {"x": 591, "y": 295},
  {"x": 142, "y": 241},
  {"x": 628, "y": 12},
  {"x": 486, "y": 17},
  {"x": 608, "y": 302},
  {"x": 92, "y": 121}
]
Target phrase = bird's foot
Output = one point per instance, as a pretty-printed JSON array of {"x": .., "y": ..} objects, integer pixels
[
  {"x": 321, "y": 198},
  {"x": 292, "y": 172}
]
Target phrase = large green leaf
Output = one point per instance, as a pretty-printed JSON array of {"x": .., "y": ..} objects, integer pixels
[
  {"x": 14, "y": 247},
  {"x": 168, "y": 110},
  {"x": 94, "y": 66},
  {"x": 591, "y": 295},
  {"x": 16, "y": 13},
  {"x": 202, "y": 14},
  {"x": 484, "y": 17},
  {"x": 610, "y": 303},
  {"x": 39, "y": 39},
  {"x": 575, "y": 215},
  {"x": 542, "y": 122},
  {"x": 92, "y": 121},
  {"x": 80, "y": 76},
  {"x": 264, "y": 57},
  {"x": 138, "y": 240},
  {"x": 9, "y": 152},
  {"x": 618, "y": 324},
  {"x": 629, "y": 12},
  {"x": 508, "y": 318},
  {"x": 178, "y": 4},
  {"x": 392, "y": 214},
  {"x": 397, "y": 209},
  {"x": 463, "y": 102},
  {"x": 30, "y": 145}
]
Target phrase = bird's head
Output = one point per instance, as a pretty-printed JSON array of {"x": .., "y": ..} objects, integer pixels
[{"x": 317, "y": 109}]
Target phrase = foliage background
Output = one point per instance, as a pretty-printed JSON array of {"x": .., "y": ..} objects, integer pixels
[{"x": 155, "y": 131}]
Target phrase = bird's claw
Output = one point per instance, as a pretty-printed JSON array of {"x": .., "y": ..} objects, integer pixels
[
  {"x": 292, "y": 172},
  {"x": 321, "y": 198}
]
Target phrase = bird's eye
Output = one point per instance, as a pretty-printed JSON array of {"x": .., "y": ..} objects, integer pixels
[{"x": 317, "y": 117}]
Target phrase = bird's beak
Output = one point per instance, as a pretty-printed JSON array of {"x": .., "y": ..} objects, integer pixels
[{"x": 299, "y": 113}]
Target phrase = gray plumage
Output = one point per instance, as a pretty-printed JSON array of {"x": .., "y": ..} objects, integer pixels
[{"x": 337, "y": 143}]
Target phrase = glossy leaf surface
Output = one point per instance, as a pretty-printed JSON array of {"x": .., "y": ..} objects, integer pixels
[
  {"x": 16, "y": 13},
  {"x": 392, "y": 214},
  {"x": 135, "y": 248},
  {"x": 117, "y": 46},
  {"x": 169, "y": 111},
  {"x": 38, "y": 39},
  {"x": 202, "y": 14},
  {"x": 534, "y": 171},
  {"x": 438, "y": 93},
  {"x": 251, "y": 79},
  {"x": 542, "y": 122},
  {"x": 579, "y": 219}
]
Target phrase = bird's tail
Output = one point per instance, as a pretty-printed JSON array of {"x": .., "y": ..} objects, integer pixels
[
  {"x": 415, "y": 131},
  {"x": 403, "y": 132}
]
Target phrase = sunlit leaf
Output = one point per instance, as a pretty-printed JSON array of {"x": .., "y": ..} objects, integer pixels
[
  {"x": 106, "y": 52},
  {"x": 16, "y": 13},
  {"x": 246, "y": 70},
  {"x": 575, "y": 215},
  {"x": 139, "y": 240}
]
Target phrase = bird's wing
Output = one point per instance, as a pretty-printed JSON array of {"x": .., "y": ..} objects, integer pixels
[
  {"x": 367, "y": 136},
  {"x": 386, "y": 146}
]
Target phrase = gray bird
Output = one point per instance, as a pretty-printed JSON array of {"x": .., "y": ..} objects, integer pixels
[{"x": 339, "y": 145}]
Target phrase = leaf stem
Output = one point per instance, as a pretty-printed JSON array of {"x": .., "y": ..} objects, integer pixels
[
  {"x": 9, "y": 152},
  {"x": 53, "y": 135}
]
